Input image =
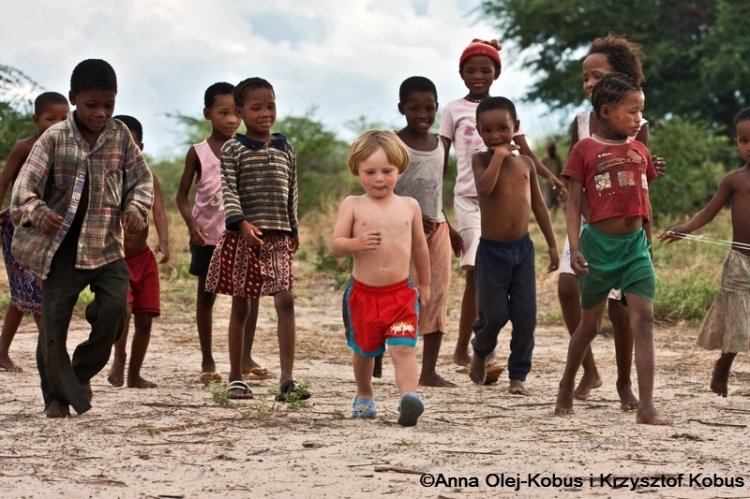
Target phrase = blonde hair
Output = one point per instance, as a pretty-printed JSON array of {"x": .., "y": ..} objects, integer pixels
[{"x": 366, "y": 144}]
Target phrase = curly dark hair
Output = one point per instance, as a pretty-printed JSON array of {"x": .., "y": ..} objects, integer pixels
[
  {"x": 623, "y": 55},
  {"x": 240, "y": 91},
  {"x": 46, "y": 99},
  {"x": 93, "y": 74},
  {"x": 218, "y": 88},
  {"x": 611, "y": 89}
]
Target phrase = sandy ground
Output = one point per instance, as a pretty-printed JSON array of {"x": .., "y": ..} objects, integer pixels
[{"x": 175, "y": 441}]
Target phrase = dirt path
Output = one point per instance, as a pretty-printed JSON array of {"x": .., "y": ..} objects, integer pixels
[{"x": 174, "y": 441}]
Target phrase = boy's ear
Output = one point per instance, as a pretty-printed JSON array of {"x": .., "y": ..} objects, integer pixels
[
  {"x": 400, "y": 108},
  {"x": 516, "y": 125},
  {"x": 72, "y": 98},
  {"x": 603, "y": 111},
  {"x": 205, "y": 113}
]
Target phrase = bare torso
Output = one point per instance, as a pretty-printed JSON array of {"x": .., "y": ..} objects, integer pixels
[
  {"x": 392, "y": 217},
  {"x": 506, "y": 210},
  {"x": 740, "y": 207}
]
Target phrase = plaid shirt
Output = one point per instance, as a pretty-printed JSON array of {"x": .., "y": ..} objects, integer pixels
[{"x": 52, "y": 178}]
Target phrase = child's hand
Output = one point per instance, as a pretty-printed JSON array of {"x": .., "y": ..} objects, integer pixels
[
  {"x": 197, "y": 235},
  {"x": 559, "y": 187},
  {"x": 428, "y": 225},
  {"x": 424, "y": 296},
  {"x": 504, "y": 150},
  {"x": 671, "y": 235},
  {"x": 554, "y": 260},
  {"x": 251, "y": 234},
  {"x": 51, "y": 222},
  {"x": 132, "y": 223},
  {"x": 578, "y": 263},
  {"x": 457, "y": 243},
  {"x": 162, "y": 248},
  {"x": 295, "y": 243},
  {"x": 660, "y": 165},
  {"x": 368, "y": 241}
]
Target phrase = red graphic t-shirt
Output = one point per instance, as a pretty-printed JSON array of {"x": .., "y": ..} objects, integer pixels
[{"x": 615, "y": 177}]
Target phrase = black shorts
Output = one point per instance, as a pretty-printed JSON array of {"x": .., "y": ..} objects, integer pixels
[{"x": 200, "y": 258}]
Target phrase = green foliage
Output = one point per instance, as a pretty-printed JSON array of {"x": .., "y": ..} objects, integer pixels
[
  {"x": 695, "y": 51},
  {"x": 168, "y": 172},
  {"x": 16, "y": 108},
  {"x": 686, "y": 297},
  {"x": 695, "y": 165},
  {"x": 14, "y": 125},
  {"x": 219, "y": 395}
]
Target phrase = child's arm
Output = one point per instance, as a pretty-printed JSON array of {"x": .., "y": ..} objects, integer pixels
[
  {"x": 573, "y": 225},
  {"x": 720, "y": 198},
  {"x": 343, "y": 242},
  {"x": 486, "y": 173},
  {"x": 160, "y": 222},
  {"x": 13, "y": 164},
  {"x": 191, "y": 170},
  {"x": 233, "y": 214},
  {"x": 27, "y": 206},
  {"x": 420, "y": 254},
  {"x": 542, "y": 219},
  {"x": 138, "y": 189},
  {"x": 293, "y": 200},
  {"x": 557, "y": 184}
]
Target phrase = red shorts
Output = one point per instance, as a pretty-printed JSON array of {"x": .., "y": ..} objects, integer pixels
[
  {"x": 376, "y": 315},
  {"x": 143, "y": 293}
]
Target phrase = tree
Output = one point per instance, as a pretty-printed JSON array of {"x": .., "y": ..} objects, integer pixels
[
  {"x": 696, "y": 50},
  {"x": 15, "y": 107}
]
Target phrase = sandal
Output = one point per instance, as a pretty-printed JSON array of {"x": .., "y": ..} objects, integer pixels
[
  {"x": 364, "y": 408},
  {"x": 292, "y": 391},
  {"x": 410, "y": 408},
  {"x": 238, "y": 390}
]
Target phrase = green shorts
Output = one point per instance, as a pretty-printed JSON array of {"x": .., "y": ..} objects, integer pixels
[{"x": 615, "y": 261}]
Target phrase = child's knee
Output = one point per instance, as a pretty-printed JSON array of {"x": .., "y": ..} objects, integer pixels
[{"x": 284, "y": 302}]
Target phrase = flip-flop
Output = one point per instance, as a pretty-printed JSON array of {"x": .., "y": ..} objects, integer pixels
[
  {"x": 239, "y": 390},
  {"x": 292, "y": 391},
  {"x": 493, "y": 374},
  {"x": 257, "y": 373},
  {"x": 208, "y": 377}
]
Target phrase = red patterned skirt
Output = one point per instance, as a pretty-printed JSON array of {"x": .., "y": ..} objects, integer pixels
[{"x": 239, "y": 269}]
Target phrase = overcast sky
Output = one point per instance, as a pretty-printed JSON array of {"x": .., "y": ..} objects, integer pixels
[{"x": 345, "y": 58}]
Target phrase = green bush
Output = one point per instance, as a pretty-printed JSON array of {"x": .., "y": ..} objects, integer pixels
[{"x": 685, "y": 297}]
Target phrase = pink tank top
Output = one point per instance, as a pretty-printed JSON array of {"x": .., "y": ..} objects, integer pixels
[{"x": 208, "y": 207}]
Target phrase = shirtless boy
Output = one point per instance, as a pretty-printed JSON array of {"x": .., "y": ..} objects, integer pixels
[
  {"x": 383, "y": 233},
  {"x": 505, "y": 282}
]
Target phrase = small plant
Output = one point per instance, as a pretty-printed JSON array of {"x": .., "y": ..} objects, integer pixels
[
  {"x": 404, "y": 442},
  {"x": 220, "y": 395},
  {"x": 153, "y": 431}
]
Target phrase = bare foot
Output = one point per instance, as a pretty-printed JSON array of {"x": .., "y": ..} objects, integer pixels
[
  {"x": 7, "y": 364},
  {"x": 478, "y": 369},
  {"x": 57, "y": 410},
  {"x": 564, "y": 404},
  {"x": 139, "y": 382},
  {"x": 116, "y": 374},
  {"x": 720, "y": 376},
  {"x": 651, "y": 416},
  {"x": 434, "y": 379},
  {"x": 208, "y": 366},
  {"x": 516, "y": 387},
  {"x": 628, "y": 400},
  {"x": 587, "y": 383},
  {"x": 461, "y": 355}
]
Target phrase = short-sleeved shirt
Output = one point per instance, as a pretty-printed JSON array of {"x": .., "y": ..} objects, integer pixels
[
  {"x": 615, "y": 177},
  {"x": 259, "y": 183},
  {"x": 61, "y": 163},
  {"x": 459, "y": 125},
  {"x": 423, "y": 181}
]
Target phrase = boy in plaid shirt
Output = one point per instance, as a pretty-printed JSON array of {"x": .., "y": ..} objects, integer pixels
[{"x": 84, "y": 181}]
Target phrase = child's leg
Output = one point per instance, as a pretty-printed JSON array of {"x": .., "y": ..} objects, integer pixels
[
  {"x": 580, "y": 341},
  {"x": 430, "y": 353},
  {"x": 720, "y": 376},
  {"x": 248, "y": 364},
  {"x": 466, "y": 319},
  {"x": 618, "y": 315},
  {"x": 116, "y": 376},
  {"x": 204, "y": 307},
  {"x": 570, "y": 304},
  {"x": 522, "y": 312},
  {"x": 286, "y": 330},
  {"x": 139, "y": 345},
  {"x": 13, "y": 318},
  {"x": 641, "y": 315},
  {"x": 405, "y": 367},
  {"x": 110, "y": 287},
  {"x": 362, "y": 375},
  {"x": 237, "y": 318}
]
